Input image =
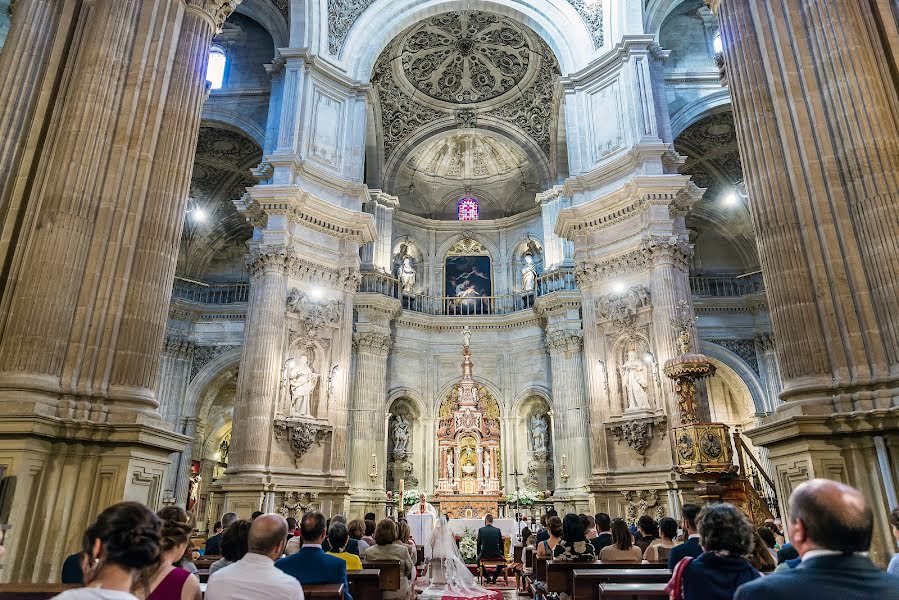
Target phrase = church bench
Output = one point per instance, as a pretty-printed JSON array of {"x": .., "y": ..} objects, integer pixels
[
  {"x": 203, "y": 574},
  {"x": 560, "y": 574},
  {"x": 32, "y": 591},
  {"x": 517, "y": 550},
  {"x": 419, "y": 555},
  {"x": 204, "y": 562},
  {"x": 632, "y": 591},
  {"x": 365, "y": 584},
  {"x": 390, "y": 573},
  {"x": 324, "y": 591},
  {"x": 585, "y": 584},
  {"x": 540, "y": 569}
]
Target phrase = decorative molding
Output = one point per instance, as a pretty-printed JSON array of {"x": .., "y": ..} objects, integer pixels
[
  {"x": 203, "y": 355},
  {"x": 589, "y": 272},
  {"x": 591, "y": 15},
  {"x": 677, "y": 249},
  {"x": 765, "y": 342},
  {"x": 745, "y": 349},
  {"x": 262, "y": 258},
  {"x": 638, "y": 433},
  {"x": 466, "y": 247},
  {"x": 621, "y": 309},
  {"x": 643, "y": 502},
  {"x": 301, "y": 433},
  {"x": 177, "y": 347},
  {"x": 214, "y": 10},
  {"x": 566, "y": 340},
  {"x": 295, "y": 503},
  {"x": 342, "y": 14},
  {"x": 314, "y": 316},
  {"x": 372, "y": 343}
]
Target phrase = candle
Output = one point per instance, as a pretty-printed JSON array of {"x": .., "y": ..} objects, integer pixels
[{"x": 402, "y": 489}]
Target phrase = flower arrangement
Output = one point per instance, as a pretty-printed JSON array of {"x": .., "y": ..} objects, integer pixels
[
  {"x": 468, "y": 547},
  {"x": 523, "y": 498},
  {"x": 410, "y": 497}
]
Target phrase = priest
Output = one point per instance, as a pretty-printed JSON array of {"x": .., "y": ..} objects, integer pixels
[{"x": 422, "y": 507}]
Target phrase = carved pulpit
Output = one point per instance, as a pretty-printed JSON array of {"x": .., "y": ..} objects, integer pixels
[{"x": 468, "y": 438}]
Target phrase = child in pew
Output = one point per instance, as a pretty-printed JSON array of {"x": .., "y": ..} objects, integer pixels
[{"x": 523, "y": 570}]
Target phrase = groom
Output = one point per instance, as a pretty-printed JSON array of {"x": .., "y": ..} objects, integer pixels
[{"x": 490, "y": 546}]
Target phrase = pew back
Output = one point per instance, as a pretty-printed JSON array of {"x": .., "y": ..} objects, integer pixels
[
  {"x": 585, "y": 584},
  {"x": 390, "y": 573},
  {"x": 632, "y": 591},
  {"x": 365, "y": 584},
  {"x": 327, "y": 591},
  {"x": 32, "y": 591}
]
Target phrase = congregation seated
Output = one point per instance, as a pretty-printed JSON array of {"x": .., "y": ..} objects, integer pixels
[
  {"x": 311, "y": 565},
  {"x": 831, "y": 529},
  {"x": 356, "y": 529},
  {"x": 603, "y": 532},
  {"x": 574, "y": 544},
  {"x": 370, "y": 525},
  {"x": 623, "y": 549},
  {"x": 691, "y": 546},
  {"x": 544, "y": 533},
  {"x": 235, "y": 545},
  {"x": 404, "y": 536},
  {"x": 659, "y": 550},
  {"x": 171, "y": 582},
  {"x": 387, "y": 548},
  {"x": 553, "y": 536},
  {"x": 761, "y": 557},
  {"x": 338, "y": 536},
  {"x": 647, "y": 532},
  {"x": 726, "y": 537},
  {"x": 352, "y": 546},
  {"x": 255, "y": 575},
  {"x": 119, "y": 547},
  {"x": 214, "y": 543}
]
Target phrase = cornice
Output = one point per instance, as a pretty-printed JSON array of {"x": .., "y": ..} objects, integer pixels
[
  {"x": 377, "y": 305},
  {"x": 314, "y": 62},
  {"x": 626, "y": 202},
  {"x": 306, "y": 209},
  {"x": 286, "y": 259},
  {"x": 631, "y": 161},
  {"x": 557, "y": 303},
  {"x": 456, "y": 226},
  {"x": 629, "y": 45},
  {"x": 440, "y": 323}
]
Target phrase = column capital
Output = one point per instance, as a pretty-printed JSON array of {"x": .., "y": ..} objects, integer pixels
[
  {"x": 715, "y": 5},
  {"x": 764, "y": 342},
  {"x": 371, "y": 342},
  {"x": 589, "y": 272},
  {"x": 176, "y": 346},
  {"x": 674, "y": 249},
  {"x": 564, "y": 340},
  {"x": 215, "y": 11}
]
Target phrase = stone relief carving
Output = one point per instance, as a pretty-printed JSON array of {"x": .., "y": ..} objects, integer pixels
[
  {"x": 639, "y": 433},
  {"x": 342, "y": 14},
  {"x": 295, "y": 503},
  {"x": 314, "y": 316},
  {"x": 643, "y": 502},
  {"x": 283, "y": 7},
  {"x": 622, "y": 308},
  {"x": 203, "y": 355},
  {"x": 301, "y": 434},
  {"x": 591, "y": 13},
  {"x": 635, "y": 380},
  {"x": 466, "y": 57},
  {"x": 299, "y": 383},
  {"x": 745, "y": 349}
]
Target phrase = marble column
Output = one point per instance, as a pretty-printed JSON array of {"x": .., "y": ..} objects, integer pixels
[
  {"x": 377, "y": 255},
  {"x": 259, "y": 377},
  {"x": 558, "y": 251},
  {"x": 193, "y": 428},
  {"x": 174, "y": 375},
  {"x": 86, "y": 307},
  {"x": 766, "y": 352},
  {"x": 817, "y": 119}
]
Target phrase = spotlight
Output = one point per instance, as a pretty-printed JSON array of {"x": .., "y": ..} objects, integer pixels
[
  {"x": 316, "y": 293},
  {"x": 717, "y": 44},
  {"x": 730, "y": 199},
  {"x": 648, "y": 358},
  {"x": 198, "y": 215},
  {"x": 618, "y": 287}
]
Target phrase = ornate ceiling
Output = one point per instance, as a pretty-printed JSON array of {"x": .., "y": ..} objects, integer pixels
[{"x": 483, "y": 76}]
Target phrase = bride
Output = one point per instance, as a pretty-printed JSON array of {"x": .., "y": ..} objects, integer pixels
[{"x": 447, "y": 572}]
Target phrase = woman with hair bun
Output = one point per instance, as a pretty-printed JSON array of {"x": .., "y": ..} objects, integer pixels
[
  {"x": 118, "y": 549},
  {"x": 170, "y": 582}
]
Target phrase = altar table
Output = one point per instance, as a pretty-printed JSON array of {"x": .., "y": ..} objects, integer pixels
[{"x": 507, "y": 526}]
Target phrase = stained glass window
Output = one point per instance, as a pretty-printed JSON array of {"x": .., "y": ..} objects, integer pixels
[{"x": 468, "y": 209}]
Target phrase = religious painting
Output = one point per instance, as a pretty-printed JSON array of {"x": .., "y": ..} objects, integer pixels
[{"x": 468, "y": 278}]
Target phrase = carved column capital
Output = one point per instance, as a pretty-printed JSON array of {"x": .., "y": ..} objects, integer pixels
[
  {"x": 765, "y": 342},
  {"x": 566, "y": 340},
  {"x": 372, "y": 342},
  {"x": 266, "y": 258},
  {"x": 177, "y": 347},
  {"x": 216, "y": 11},
  {"x": 590, "y": 272},
  {"x": 674, "y": 250}
]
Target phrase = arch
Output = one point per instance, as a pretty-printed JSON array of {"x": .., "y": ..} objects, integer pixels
[
  {"x": 220, "y": 365},
  {"x": 215, "y": 430},
  {"x": 657, "y": 11},
  {"x": 267, "y": 14},
  {"x": 410, "y": 396},
  {"x": 534, "y": 390},
  {"x": 714, "y": 103},
  {"x": 217, "y": 115},
  {"x": 492, "y": 250},
  {"x": 492, "y": 388},
  {"x": 740, "y": 369},
  {"x": 558, "y": 23}
]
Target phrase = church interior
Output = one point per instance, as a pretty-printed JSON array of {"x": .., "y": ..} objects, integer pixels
[{"x": 590, "y": 255}]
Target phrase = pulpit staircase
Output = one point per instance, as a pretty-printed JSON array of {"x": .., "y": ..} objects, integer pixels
[{"x": 751, "y": 488}]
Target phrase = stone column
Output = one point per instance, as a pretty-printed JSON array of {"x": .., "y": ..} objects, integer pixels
[
  {"x": 86, "y": 308},
  {"x": 193, "y": 428},
  {"x": 558, "y": 251},
  {"x": 766, "y": 352},
  {"x": 817, "y": 123},
  {"x": 259, "y": 377},
  {"x": 368, "y": 410},
  {"x": 174, "y": 375},
  {"x": 377, "y": 255}
]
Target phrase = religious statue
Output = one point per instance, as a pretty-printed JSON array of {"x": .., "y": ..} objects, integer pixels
[
  {"x": 466, "y": 336},
  {"x": 529, "y": 274},
  {"x": 487, "y": 468},
  {"x": 194, "y": 494},
  {"x": 450, "y": 467},
  {"x": 301, "y": 381},
  {"x": 400, "y": 435},
  {"x": 539, "y": 433},
  {"x": 406, "y": 276},
  {"x": 635, "y": 378}
]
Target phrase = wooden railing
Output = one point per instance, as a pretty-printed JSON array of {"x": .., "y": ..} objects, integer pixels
[
  {"x": 386, "y": 285},
  {"x": 760, "y": 482}
]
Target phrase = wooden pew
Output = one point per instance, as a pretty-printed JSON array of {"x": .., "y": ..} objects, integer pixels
[
  {"x": 365, "y": 584},
  {"x": 204, "y": 562},
  {"x": 560, "y": 578},
  {"x": 585, "y": 584},
  {"x": 326, "y": 591},
  {"x": 32, "y": 591},
  {"x": 390, "y": 572},
  {"x": 632, "y": 591},
  {"x": 419, "y": 557},
  {"x": 517, "y": 550}
]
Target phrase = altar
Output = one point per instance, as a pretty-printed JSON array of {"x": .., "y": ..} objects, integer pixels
[{"x": 422, "y": 528}]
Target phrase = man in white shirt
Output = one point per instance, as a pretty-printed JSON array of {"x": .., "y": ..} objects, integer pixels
[{"x": 255, "y": 576}]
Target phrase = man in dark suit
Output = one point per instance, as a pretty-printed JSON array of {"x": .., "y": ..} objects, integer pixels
[
  {"x": 603, "y": 533},
  {"x": 490, "y": 545},
  {"x": 311, "y": 565},
  {"x": 691, "y": 546},
  {"x": 831, "y": 527},
  {"x": 214, "y": 544},
  {"x": 352, "y": 545}
]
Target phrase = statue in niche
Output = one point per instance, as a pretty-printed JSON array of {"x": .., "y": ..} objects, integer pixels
[
  {"x": 406, "y": 275},
  {"x": 400, "y": 435},
  {"x": 635, "y": 378},
  {"x": 466, "y": 337},
  {"x": 539, "y": 433},
  {"x": 301, "y": 381},
  {"x": 529, "y": 274},
  {"x": 487, "y": 468},
  {"x": 450, "y": 467}
]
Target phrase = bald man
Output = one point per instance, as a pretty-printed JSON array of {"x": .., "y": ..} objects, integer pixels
[
  {"x": 255, "y": 575},
  {"x": 830, "y": 526}
]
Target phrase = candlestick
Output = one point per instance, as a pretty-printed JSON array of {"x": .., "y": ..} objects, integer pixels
[
  {"x": 373, "y": 474},
  {"x": 402, "y": 490},
  {"x": 564, "y": 475}
]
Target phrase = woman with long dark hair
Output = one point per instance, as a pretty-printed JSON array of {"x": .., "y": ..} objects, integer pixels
[
  {"x": 118, "y": 548},
  {"x": 574, "y": 544},
  {"x": 171, "y": 582},
  {"x": 623, "y": 549}
]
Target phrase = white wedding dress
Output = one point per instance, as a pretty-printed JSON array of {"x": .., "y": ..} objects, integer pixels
[{"x": 447, "y": 573}]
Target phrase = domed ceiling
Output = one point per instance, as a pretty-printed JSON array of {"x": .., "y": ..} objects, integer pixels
[{"x": 465, "y": 102}]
